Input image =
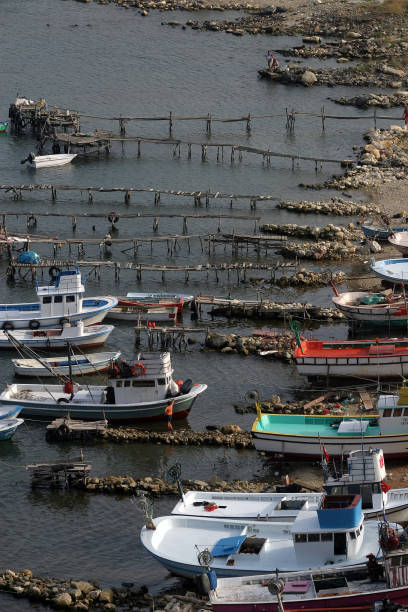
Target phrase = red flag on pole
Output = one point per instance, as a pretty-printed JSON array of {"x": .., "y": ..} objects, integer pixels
[
  {"x": 384, "y": 487},
  {"x": 325, "y": 453}
]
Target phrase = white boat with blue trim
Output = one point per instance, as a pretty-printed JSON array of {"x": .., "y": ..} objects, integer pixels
[
  {"x": 392, "y": 270},
  {"x": 80, "y": 365},
  {"x": 369, "y": 309},
  {"x": 8, "y": 427},
  {"x": 59, "y": 338},
  {"x": 365, "y": 475},
  {"x": 137, "y": 392},
  {"x": 335, "y": 534},
  {"x": 58, "y": 304}
]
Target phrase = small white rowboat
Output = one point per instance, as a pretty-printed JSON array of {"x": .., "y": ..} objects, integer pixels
[
  {"x": 400, "y": 241},
  {"x": 50, "y": 161},
  {"x": 80, "y": 365}
]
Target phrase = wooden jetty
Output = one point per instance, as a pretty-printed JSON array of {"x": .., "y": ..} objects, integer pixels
[
  {"x": 199, "y": 197},
  {"x": 168, "y": 338},
  {"x": 240, "y": 242},
  {"x": 259, "y": 308},
  {"x": 75, "y": 142},
  {"x": 42, "y": 119},
  {"x": 67, "y": 429},
  {"x": 59, "y": 474}
]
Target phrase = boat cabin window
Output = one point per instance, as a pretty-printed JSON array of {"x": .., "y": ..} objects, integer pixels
[
  {"x": 327, "y": 537},
  {"x": 387, "y": 412},
  {"x": 118, "y": 383},
  {"x": 57, "y": 299},
  {"x": 352, "y": 535},
  {"x": 397, "y": 412},
  {"x": 162, "y": 381},
  {"x": 405, "y": 412},
  {"x": 127, "y": 383},
  {"x": 376, "y": 487},
  {"x": 143, "y": 383},
  {"x": 70, "y": 298},
  {"x": 300, "y": 537},
  {"x": 47, "y": 299},
  {"x": 313, "y": 537},
  {"x": 399, "y": 560},
  {"x": 252, "y": 545}
]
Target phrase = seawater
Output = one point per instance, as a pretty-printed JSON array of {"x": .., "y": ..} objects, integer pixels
[{"x": 107, "y": 61}]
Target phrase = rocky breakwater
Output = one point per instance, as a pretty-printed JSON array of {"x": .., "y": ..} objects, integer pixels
[
  {"x": 262, "y": 21},
  {"x": 81, "y": 595},
  {"x": 335, "y": 206},
  {"x": 304, "y": 278},
  {"x": 276, "y": 310},
  {"x": 157, "y": 487},
  {"x": 362, "y": 75},
  {"x": 172, "y": 5},
  {"x": 384, "y": 159},
  {"x": 281, "y": 345},
  {"x": 353, "y": 46},
  {"x": 329, "y": 232},
  {"x": 400, "y": 98},
  {"x": 321, "y": 250},
  {"x": 228, "y": 435}
]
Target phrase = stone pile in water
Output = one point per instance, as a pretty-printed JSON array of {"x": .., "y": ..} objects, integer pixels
[
  {"x": 81, "y": 595},
  {"x": 335, "y": 206},
  {"x": 328, "y": 232},
  {"x": 308, "y": 278},
  {"x": 284, "y": 344},
  {"x": 321, "y": 250},
  {"x": 400, "y": 98},
  {"x": 276, "y": 310}
]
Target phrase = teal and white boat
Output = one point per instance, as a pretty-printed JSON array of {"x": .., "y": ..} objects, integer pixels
[{"x": 302, "y": 437}]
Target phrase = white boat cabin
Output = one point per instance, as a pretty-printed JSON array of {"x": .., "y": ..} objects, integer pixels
[
  {"x": 331, "y": 534},
  {"x": 63, "y": 298},
  {"x": 151, "y": 375},
  {"x": 365, "y": 473},
  {"x": 393, "y": 411}
]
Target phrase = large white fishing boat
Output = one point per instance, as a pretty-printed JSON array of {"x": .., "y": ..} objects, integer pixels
[
  {"x": 365, "y": 475},
  {"x": 302, "y": 436},
  {"x": 59, "y": 303},
  {"x": 335, "y": 534},
  {"x": 141, "y": 391}
]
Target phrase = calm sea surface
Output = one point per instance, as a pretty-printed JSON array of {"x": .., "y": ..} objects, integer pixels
[{"x": 106, "y": 61}]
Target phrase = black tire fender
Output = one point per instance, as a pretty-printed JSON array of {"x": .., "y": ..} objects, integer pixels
[
  {"x": 7, "y": 326},
  {"x": 34, "y": 324},
  {"x": 63, "y": 320},
  {"x": 54, "y": 271}
]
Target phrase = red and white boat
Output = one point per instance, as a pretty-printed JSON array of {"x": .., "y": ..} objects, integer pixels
[
  {"x": 357, "y": 588},
  {"x": 382, "y": 357}
]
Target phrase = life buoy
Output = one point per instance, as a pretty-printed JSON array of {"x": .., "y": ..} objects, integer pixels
[
  {"x": 138, "y": 369},
  {"x": 63, "y": 321},
  {"x": 7, "y": 326},
  {"x": 54, "y": 271},
  {"x": 34, "y": 324}
]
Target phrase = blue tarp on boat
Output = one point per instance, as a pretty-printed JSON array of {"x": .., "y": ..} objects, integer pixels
[
  {"x": 29, "y": 257},
  {"x": 227, "y": 546}
]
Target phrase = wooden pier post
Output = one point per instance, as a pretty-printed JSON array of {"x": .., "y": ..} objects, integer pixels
[
  {"x": 170, "y": 123},
  {"x": 248, "y": 123},
  {"x": 208, "y": 126},
  {"x": 323, "y": 118}
]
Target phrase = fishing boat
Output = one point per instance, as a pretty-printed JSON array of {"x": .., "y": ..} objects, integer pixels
[
  {"x": 362, "y": 588},
  {"x": 141, "y": 391},
  {"x": 144, "y": 312},
  {"x": 379, "y": 358},
  {"x": 335, "y": 534},
  {"x": 48, "y": 161},
  {"x": 392, "y": 270},
  {"x": 75, "y": 335},
  {"x": 301, "y": 436},
  {"x": 366, "y": 308},
  {"x": 400, "y": 241},
  {"x": 58, "y": 304},
  {"x": 365, "y": 475},
  {"x": 154, "y": 297},
  {"x": 3, "y": 126},
  {"x": 81, "y": 365},
  {"x": 382, "y": 233},
  {"x": 8, "y": 427},
  {"x": 10, "y": 412}
]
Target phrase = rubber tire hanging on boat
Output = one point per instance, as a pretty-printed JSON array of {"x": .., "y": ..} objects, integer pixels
[
  {"x": 34, "y": 324},
  {"x": 63, "y": 320},
  {"x": 54, "y": 271},
  {"x": 7, "y": 325},
  {"x": 10, "y": 272},
  {"x": 62, "y": 400}
]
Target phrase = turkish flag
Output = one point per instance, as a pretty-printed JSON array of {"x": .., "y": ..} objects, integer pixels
[{"x": 384, "y": 487}]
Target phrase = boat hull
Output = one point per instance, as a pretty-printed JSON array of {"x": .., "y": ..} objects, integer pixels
[
  {"x": 94, "y": 338},
  {"x": 51, "y": 161},
  {"x": 77, "y": 369},
  {"x": 309, "y": 447},
  {"x": 8, "y": 428},
  {"x": 368, "y": 367},
  {"x": 392, "y": 270},
  {"x": 115, "y": 413},
  {"x": 123, "y": 314},
  {"x": 90, "y": 315}
]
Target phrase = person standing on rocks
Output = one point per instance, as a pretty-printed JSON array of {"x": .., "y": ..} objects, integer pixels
[
  {"x": 169, "y": 414},
  {"x": 405, "y": 117},
  {"x": 269, "y": 57}
]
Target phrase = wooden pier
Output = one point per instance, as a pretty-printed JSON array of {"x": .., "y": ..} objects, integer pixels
[
  {"x": 200, "y": 198},
  {"x": 67, "y": 429},
  {"x": 42, "y": 119},
  {"x": 259, "y": 308},
  {"x": 59, "y": 474},
  {"x": 240, "y": 242},
  {"x": 168, "y": 338}
]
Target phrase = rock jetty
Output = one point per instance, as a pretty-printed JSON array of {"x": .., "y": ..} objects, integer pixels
[
  {"x": 283, "y": 345},
  {"x": 335, "y": 206},
  {"x": 400, "y": 98},
  {"x": 322, "y": 250},
  {"x": 81, "y": 595},
  {"x": 231, "y": 436},
  {"x": 329, "y": 232},
  {"x": 276, "y": 310},
  {"x": 307, "y": 278}
]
